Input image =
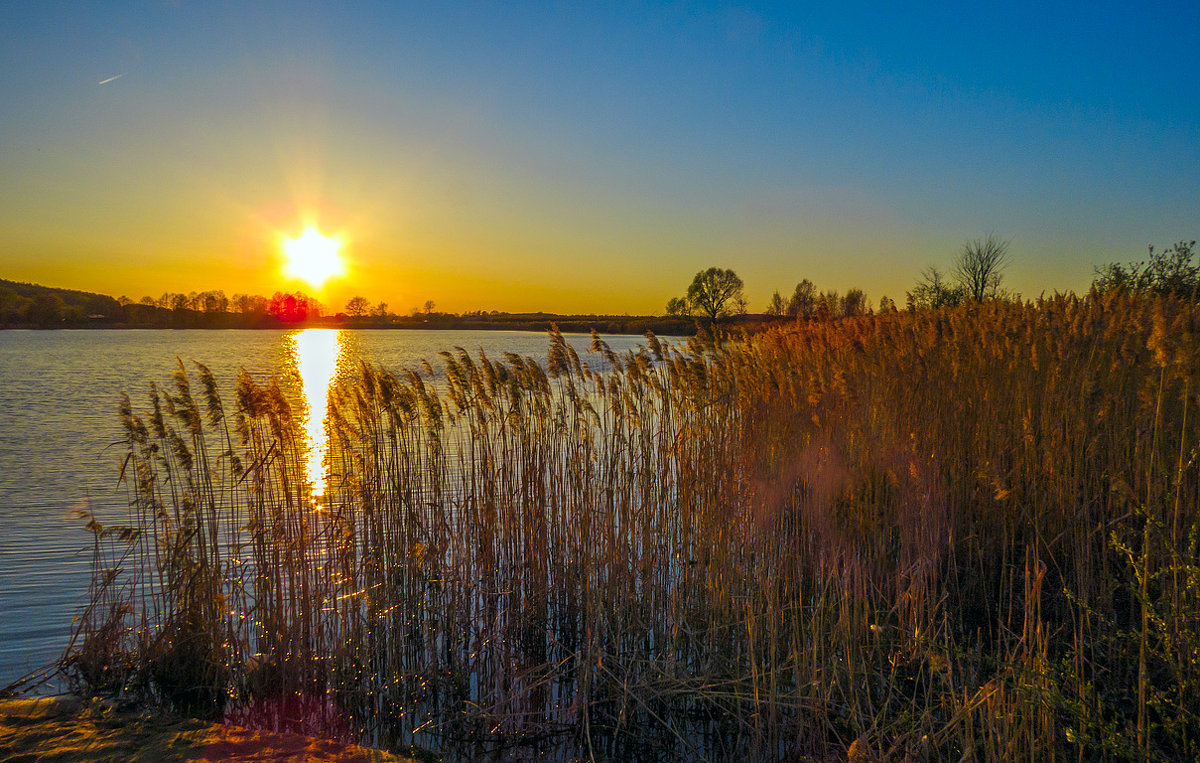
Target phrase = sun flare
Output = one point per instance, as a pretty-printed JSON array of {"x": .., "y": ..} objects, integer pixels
[{"x": 313, "y": 257}]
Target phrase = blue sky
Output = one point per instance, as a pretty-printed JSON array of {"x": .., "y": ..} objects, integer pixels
[{"x": 590, "y": 157}]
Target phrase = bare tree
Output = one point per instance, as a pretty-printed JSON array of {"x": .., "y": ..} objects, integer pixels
[
  {"x": 214, "y": 301},
  {"x": 980, "y": 265},
  {"x": 358, "y": 307},
  {"x": 934, "y": 291},
  {"x": 429, "y": 306}
]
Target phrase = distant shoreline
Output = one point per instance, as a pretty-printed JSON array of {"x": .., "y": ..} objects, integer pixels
[
  {"x": 634, "y": 326},
  {"x": 31, "y": 306},
  {"x": 61, "y": 728}
]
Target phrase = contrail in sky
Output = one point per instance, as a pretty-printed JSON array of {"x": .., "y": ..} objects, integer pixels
[{"x": 110, "y": 79}]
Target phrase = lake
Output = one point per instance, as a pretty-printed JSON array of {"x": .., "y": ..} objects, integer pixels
[{"x": 61, "y": 448}]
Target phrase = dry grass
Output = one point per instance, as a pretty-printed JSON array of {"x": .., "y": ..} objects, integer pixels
[
  {"x": 964, "y": 535},
  {"x": 49, "y": 730}
]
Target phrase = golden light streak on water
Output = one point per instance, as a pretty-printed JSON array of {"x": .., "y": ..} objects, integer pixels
[{"x": 316, "y": 352}]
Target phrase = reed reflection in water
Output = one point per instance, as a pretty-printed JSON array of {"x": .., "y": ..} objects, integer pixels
[{"x": 316, "y": 354}]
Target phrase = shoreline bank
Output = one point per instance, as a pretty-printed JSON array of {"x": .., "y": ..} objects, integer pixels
[{"x": 66, "y": 728}]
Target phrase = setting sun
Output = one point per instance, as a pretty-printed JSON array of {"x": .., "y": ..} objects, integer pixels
[{"x": 313, "y": 257}]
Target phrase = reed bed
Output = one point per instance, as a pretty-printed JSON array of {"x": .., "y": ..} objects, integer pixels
[{"x": 951, "y": 535}]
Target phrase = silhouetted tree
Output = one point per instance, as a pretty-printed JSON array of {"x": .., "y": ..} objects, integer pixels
[
  {"x": 854, "y": 303},
  {"x": 829, "y": 305},
  {"x": 934, "y": 291},
  {"x": 716, "y": 293},
  {"x": 357, "y": 307},
  {"x": 251, "y": 304},
  {"x": 803, "y": 303},
  {"x": 777, "y": 305},
  {"x": 1171, "y": 271},
  {"x": 979, "y": 267},
  {"x": 677, "y": 307},
  {"x": 294, "y": 308},
  {"x": 429, "y": 306},
  {"x": 214, "y": 301}
]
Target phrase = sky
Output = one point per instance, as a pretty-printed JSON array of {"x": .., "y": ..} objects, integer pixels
[{"x": 589, "y": 157}]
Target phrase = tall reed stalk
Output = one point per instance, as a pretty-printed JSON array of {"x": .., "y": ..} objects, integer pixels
[{"x": 967, "y": 534}]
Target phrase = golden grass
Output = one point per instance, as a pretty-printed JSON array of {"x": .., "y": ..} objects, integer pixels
[
  {"x": 965, "y": 534},
  {"x": 47, "y": 730}
]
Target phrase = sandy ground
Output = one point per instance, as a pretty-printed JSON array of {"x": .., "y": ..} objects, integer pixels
[{"x": 63, "y": 730}]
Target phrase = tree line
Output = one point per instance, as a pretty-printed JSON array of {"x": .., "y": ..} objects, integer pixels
[
  {"x": 23, "y": 304},
  {"x": 282, "y": 305},
  {"x": 976, "y": 275},
  {"x": 717, "y": 294}
]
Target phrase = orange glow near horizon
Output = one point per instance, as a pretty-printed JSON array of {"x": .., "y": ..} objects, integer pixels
[{"x": 313, "y": 257}]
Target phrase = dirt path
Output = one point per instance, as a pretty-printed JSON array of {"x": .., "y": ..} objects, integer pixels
[{"x": 63, "y": 730}]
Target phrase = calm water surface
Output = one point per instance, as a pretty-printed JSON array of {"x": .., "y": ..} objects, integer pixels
[{"x": 60, "y": 449}]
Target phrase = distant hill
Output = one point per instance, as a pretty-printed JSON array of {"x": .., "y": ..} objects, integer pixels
[{"x": 31, "y": 305}]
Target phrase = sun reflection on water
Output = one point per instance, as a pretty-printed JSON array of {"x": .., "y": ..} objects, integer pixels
[{"x": 316, "y": 353}]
